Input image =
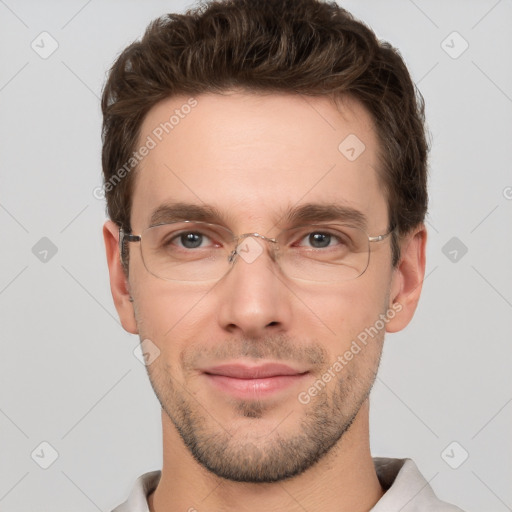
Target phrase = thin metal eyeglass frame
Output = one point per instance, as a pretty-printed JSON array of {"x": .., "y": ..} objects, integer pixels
[{"x": 128, "y": 237}]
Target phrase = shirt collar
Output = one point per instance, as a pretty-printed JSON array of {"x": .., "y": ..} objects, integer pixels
[{"x": 406, "y": 490}]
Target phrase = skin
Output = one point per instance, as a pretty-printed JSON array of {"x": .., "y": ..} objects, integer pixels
[{"x": 254, "y": 157}]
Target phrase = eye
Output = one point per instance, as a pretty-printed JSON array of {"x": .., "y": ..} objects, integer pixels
[
  {"x": 190, "y": 240},
  {"x": 319, "y": 240},
  {"x": 182, "y": 239}
]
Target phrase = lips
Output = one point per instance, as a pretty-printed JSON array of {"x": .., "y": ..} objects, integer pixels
[
  {"x": 239, "y": 371},
  {"x": 253, "y": 382}
]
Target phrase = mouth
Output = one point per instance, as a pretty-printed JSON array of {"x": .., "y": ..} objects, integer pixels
[{"x": 253, "y": 381}]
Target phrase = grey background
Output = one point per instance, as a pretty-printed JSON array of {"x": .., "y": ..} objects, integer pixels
[{"x": 68, "y": 374}]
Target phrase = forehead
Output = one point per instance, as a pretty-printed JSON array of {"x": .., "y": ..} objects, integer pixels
[{"x": 253, "y": 157}]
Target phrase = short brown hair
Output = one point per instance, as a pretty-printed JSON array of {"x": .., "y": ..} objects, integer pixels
[{"x": 308, "y": 47}]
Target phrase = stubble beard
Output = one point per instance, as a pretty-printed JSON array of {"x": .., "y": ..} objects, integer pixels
[{"x": 242, "y": 457}]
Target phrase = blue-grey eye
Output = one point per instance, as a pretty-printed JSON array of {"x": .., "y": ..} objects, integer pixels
[
  {"x": 191, "y": 240},
  {"x": 319, "y": 240}
]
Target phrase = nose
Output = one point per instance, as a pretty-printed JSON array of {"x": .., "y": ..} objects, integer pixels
[{"x": 253, "y": 298}]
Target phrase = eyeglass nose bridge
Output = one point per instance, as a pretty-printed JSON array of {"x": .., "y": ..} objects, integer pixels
[{"x": 238, "y": 239}]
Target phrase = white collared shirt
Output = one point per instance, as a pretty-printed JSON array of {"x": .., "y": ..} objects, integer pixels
[{"x": 406, "y": 490}]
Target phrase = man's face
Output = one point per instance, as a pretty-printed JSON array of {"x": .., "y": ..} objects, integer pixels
[{"x": 256, "y": 159}]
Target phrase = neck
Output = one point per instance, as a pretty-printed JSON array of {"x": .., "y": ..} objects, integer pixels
[{"x": 343, "y": 480}]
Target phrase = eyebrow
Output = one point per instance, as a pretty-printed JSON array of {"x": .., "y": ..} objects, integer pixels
[
  {"x": 174, "y": 212},
  {"x": 303, "y": 214},
  {"x": 320, "y": 212}
]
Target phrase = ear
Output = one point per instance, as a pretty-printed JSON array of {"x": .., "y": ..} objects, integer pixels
[
  {"x": 407, "y": 280},
  {"x": 118, "y": 280}
]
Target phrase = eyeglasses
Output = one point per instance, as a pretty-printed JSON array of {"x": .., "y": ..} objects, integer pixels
[{"x": 200, "y": 251}]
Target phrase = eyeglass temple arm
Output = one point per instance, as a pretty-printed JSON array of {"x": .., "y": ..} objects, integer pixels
[
  {"x": 379, "y": 238},
  {"x": 125, "y": 237}
]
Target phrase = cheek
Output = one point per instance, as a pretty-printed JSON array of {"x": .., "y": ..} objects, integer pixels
[
  {"x": 167, "y": 313},
  {"x": 344, "y": 311}
]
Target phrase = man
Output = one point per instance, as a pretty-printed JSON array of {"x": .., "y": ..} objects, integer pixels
[{"x": 265, "y": 172}]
